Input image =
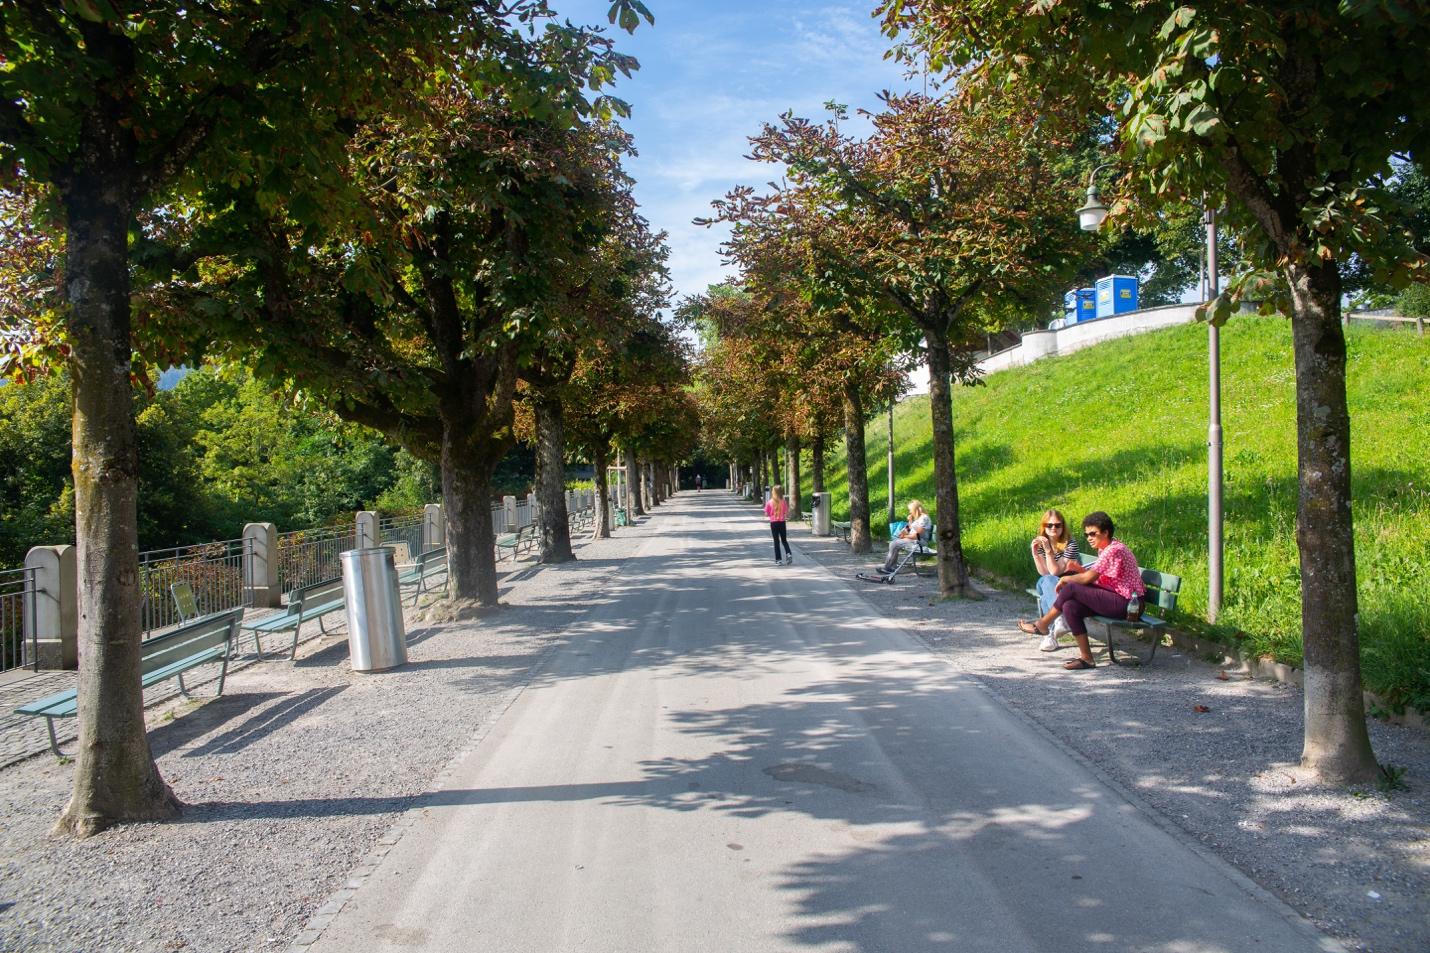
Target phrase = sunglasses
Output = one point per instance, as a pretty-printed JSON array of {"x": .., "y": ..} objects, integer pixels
[
  {"x": 1052, "y": 526},
  {"x": 1093, "y": 533}
]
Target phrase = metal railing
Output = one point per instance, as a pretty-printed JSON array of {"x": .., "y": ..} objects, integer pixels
[
  {"x": 401, "y": 531},
  {"x": 17, "y": 616},
  {"x": 308, "y": 556},
  {"x": 214, "y": 571}
]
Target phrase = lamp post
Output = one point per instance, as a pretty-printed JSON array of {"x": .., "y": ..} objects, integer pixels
[
  {"x": 1091, "y": 216},
  {"x": 893, "y": 515}
]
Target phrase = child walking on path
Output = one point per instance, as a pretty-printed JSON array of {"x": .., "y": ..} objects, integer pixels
[{"x": 777, "y": 508}]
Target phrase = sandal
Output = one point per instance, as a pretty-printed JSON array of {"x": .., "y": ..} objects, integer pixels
[
  {"x": 1078, "y": 665},
  {"x": 1030, "y": 628}
]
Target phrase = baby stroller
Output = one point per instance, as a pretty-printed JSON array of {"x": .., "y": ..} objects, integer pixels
[{"x": 907, "y": 558}]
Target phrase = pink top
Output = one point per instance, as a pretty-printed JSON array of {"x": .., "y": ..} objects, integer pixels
[
  {"x": 1117, "y": 570},
  {"x": 777, "y": 511}
]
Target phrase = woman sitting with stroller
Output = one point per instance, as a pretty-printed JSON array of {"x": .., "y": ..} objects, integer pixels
[{"x": 914, "y": 535}]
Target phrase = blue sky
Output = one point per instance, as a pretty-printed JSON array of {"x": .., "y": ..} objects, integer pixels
[{"x": 711, "y": 73}]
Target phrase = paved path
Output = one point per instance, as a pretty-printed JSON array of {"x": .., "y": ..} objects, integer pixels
[{"x": 733, "y": 757}]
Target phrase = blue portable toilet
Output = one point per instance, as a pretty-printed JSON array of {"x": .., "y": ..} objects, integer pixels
[
  {"x": 1086, "y": 305},
  {"x": 1116, "y": 294}
]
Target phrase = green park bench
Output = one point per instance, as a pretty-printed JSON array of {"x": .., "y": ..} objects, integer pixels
[
  {"x": 304, "y": 603},
  {"x": 519, "y": 542},
  {"x": 1162, "y": 590},
  {"x": 428, "y": 565},
  {"x": 167, "y": 655},
  {"x": 839, "y": 529}
]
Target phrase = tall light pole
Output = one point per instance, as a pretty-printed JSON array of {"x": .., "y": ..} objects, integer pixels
[
  {"x": 1214, "y": 441},
  {"x": 1090, "y": 217},
  {"x": 892, "y": 514}
]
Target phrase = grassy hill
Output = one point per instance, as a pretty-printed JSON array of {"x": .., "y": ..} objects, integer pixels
[{"x": 1122, "y": 427}]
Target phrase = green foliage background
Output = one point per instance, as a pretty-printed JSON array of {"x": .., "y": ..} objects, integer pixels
[
  {"x": 1122, "y": 427},
  {"x": 215, "y": 452}
]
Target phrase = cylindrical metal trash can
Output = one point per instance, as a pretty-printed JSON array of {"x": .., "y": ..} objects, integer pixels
[
  {"x": 376, "y": 638},
  {"x": 819, "y": 507}
]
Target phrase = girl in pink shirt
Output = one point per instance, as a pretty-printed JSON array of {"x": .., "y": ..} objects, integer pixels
[
  {"x": 777, "y": 509},
  {"x": 1104, "y": 588}
]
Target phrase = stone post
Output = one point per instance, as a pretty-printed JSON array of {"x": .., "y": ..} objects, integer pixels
[
  {"x": 260, "y": 566},
  {"x": 533, "y": 507},
  {"x": 434, "y": 527},
  {"x": 508, "y": 505},
  {"x": 52, "y": 610},
  {"x": 368, "y": 534}
]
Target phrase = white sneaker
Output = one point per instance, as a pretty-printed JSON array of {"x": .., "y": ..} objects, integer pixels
[
  {"x": 1049, "y": 643},
  {"x": 1060, "y": 627},
  {"x": 779, "y": 562}
]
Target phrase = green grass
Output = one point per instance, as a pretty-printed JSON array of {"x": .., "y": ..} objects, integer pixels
[{"x": 1122, "y": 427}]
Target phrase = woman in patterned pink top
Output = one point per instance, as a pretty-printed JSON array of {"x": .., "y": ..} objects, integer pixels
[{"x": 1104, "y": 588}]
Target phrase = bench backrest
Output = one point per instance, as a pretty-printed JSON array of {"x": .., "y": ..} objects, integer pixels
[
  {"x": 189, "y": 639},
  {"x": 185, "y": 600},
  {"x": 1162, "y": 587},
  {"x": 316, "y": 594},
  {"x": 431, "y": 559}
]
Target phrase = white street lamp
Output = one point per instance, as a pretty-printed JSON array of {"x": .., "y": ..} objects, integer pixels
[{"x": 1090, "y": 217}]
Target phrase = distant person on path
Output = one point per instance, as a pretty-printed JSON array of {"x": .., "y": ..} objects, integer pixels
[
  {"x": 777, "y": 509},
  {"x": 699, "y": 482},
  {"x": 1055, "y": 552},
  {"x": 918, "y": 530},
  {"x": 1104, "y": 588}
]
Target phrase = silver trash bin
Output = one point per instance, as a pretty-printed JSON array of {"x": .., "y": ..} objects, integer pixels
[
  {"x": 376, "y": 638},
  {"x": 819, "y": 507}
]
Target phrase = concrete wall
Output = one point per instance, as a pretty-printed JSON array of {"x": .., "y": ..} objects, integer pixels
[{"x": 1039, "y": 344}]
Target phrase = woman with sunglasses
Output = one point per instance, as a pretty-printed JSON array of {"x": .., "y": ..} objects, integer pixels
[
  {"x": 1054, "y": 553},
  {"x": 1104, "y": 588}
]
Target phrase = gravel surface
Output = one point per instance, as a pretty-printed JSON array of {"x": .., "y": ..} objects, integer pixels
[
  {"x": 290, "y": 779},
  {"x": 300, "y": 769},
  {"x": 1356, "y": 863}
]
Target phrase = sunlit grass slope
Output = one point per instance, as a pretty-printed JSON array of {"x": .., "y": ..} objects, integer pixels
[{"x": 1122, "y": 427}]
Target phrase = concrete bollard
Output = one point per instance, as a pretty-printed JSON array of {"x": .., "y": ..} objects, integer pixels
[
  {"x": 53, "y": 619},
  {"x": 368, "y": 533},
  {"x": 508, "y": 505},
  {"x": 434, "y": 527},
  {"x": 260, "y": 565}
]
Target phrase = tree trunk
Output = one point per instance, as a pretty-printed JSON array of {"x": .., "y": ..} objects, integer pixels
[
  {"x": 634, "y": 466},
  {"x": 551, "y": 480},
  {"x": 774, "y": 458},
  {"x": 817, "y": 477},
  {"x": 792, "y": 474},
  {"x": 1336, "y": 743},
  {"x": 603, "y": 495},
  {"x": 952, "y": 569},
  {"x": 859, "y": 538},
  {"x": 467, "y": 497},
  {"x": 115, "y": 779}
]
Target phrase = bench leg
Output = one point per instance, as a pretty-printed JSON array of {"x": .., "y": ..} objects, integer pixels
[
  {"x": 223, "y": 672},
  {"x": 182, "y": 690},
  {"x": 54, "y": 743},
  {"x": 257, "y": 646},
  {"x": 293, "y": 655}
]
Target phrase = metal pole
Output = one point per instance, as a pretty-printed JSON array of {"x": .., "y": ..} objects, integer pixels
[
  {"x": 892, "y": 515},
  {"x": 1214, "y": 436}
]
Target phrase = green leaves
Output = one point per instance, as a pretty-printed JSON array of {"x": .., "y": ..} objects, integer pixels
[{"x": 628, "y": 14}]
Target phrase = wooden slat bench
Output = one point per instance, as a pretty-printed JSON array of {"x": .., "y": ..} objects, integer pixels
[
  {"x": 1162, "y": 590},
  {"x": 166, "y": 655},
  {"x": 304, "y": 603},
  {"x": 427, "y": 566},
  {"x": 840, "y": 529},
  {"x": 519, "y": 542}
]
